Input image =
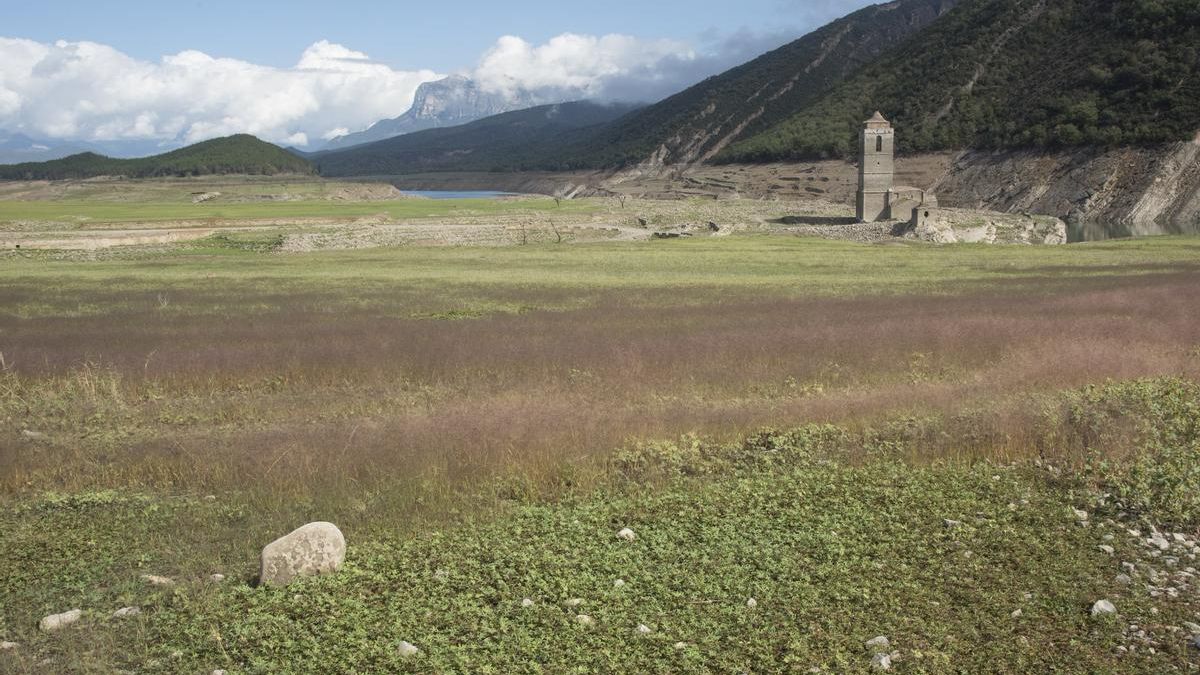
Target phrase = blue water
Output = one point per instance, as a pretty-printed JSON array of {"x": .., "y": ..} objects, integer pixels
[{"x": 458, "y": 194}]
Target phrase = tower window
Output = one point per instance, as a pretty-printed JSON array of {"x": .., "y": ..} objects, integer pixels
[{"x": 879, "y": 144}]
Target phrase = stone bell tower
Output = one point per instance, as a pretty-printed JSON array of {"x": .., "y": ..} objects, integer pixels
[{"x": 875, "y": 170}]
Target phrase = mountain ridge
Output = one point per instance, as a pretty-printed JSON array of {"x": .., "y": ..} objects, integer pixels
[
  {"x": 238, "y": 154},
  {"x": 450, "y": 101}
]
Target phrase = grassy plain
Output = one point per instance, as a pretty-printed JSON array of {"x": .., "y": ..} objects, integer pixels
[{"x": 481, "y": 421}]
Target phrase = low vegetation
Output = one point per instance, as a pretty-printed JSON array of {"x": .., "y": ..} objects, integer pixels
[
  {"x": 480, "y": 422},
  {"x": 240, "y": 154}
]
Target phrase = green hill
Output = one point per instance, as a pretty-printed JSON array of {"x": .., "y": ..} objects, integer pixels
[
  {"x": 240, "y": 154},
  {"x": 1015, "y": 73},
  {"x": 698, "y": 122},
  {"x": 521, "y": 140}
]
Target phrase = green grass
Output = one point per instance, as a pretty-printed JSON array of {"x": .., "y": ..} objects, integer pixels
[
  {"x": 93, "y": 213},
  {"x": 834, "y": 551},
  {"x": 441, "y": 405},
  {"x": 668, "y": 272}
]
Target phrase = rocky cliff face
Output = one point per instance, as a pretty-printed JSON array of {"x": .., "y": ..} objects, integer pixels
[
  {"x": 1100, "y": 192},
  {"x": 448, "y": 102}
]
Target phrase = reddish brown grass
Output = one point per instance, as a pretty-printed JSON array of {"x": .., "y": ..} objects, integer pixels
[{"x": 298, "y": 398}]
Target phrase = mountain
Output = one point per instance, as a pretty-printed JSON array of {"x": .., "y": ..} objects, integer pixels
[
  {"x": 241, "y": 154},
  {"x": 699, "y": 122},
  {"x": 1003, "y": 74},
  {"x": 447, "y": 102},
  {"x": 17, "y": 148},
  {"x": 510, "y": 141}
]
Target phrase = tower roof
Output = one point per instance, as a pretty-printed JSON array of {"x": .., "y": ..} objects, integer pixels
[{"x": 877, "y": 121}]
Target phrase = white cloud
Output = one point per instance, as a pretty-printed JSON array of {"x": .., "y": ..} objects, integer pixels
[
  {"x": 578, "y": 66},
  {"x": 89, "y": 91}
]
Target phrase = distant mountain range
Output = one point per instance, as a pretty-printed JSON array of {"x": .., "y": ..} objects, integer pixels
[
  {"x": 447, "y": 102},
  {"x": 16, "y": 148},
  {"x": 498, "y": 143},
  {"x": 241, "y": 154}
]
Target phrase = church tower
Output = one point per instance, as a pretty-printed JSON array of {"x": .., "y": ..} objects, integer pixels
[{"x": 875, "y": 170}]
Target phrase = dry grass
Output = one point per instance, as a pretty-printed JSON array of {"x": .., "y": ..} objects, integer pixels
[{"x": 297, "y": 400}]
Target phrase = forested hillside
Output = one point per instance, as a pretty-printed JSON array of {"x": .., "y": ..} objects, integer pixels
[
  {"x": 1015, "y": 73},
  {"x": 521, "y": 140},
  {"x": 240, "y": 154}
]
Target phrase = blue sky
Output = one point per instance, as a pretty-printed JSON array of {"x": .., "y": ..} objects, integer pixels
[
  {"x": 300, "y": 71},
  {"x": 438, "y": 35}
]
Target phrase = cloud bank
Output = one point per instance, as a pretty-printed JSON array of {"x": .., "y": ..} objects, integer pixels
[{"x": 90, "y": 91}]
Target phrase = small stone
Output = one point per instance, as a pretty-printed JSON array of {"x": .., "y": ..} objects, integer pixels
[
  {"x": 1191, "y": 627},
  {"x": 1107, "y": 549},
  {"x": 1103, "y": 607},
  {"x": 574, "y": 602},
  {"x": 315, "y": 548},
  {"x": 1124, "y": 579},
  {"x": 57, "y": 621},
  {"x": 1179, "y": 537},
  {"x": 752, "y": 603},
  {"x": 878, "y": 643},
  {"x": 1129, "y": 567},
  {"x": 585, "y": 620},
  {"x": 177, "y": 654},
  {"x": 681, "y": 645},
  {"x": 1194, "y": 643},
  {"x": 407, "y": 649},
  {"x": 126, "y": 611},
  {"x": 881, "y": 662},
  {"x": 1159, "y": 541},
  {"x": 643, "y": 628},
  {"x": 218, "y": 672},
  {"x": 155, "y": 580},
  {"x": 1109, "y": 537},
  {"x": 33, "y": 435},
  {"x": 6, "y": 645},
  {"x": 527, "y": 603},
  {"x": 618, "y": 583},
  {"x": 951, "y": 524},
  {"x": 626, "y": 534},
  {"x": 1016, "y": 613},
  {"x": 216, "y": 578},
  {"x": 1080, "y": 513}
]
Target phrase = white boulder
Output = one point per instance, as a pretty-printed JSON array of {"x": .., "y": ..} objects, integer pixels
[{"x": 316, "y": 548}]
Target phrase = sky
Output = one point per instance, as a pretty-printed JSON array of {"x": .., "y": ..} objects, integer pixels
[{"x": 297, "y": 71}]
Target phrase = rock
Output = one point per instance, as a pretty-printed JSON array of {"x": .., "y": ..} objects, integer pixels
[
  {"x": 33, "y": 435},
  {"x": 407, "y": 649},
  {"x": 1124, "y": 579},
  {"x": 218, "y": 672},
  {"x": 626, "y": 534},
  {"x": 574, "y": 602},
  {"x": 618, "y": 583},
  {"x": 216, "y": 578},
  {"x": 1191, "y": 627},
  {"x": 881, "y": 662},
  {"x": 155, "y": 580},
  {"x": 681, "y": 645},
  {"x": 527, "y": 603},
  {"x": 1159, "y": 541},
  {"x": 57, "y": 621},
  {"x": 316, "y": 548},
  {"x": 1194, "y": 643},
  {"x": 1080, "y": 513},
  {"x": 1016, "y": 613},
  {"x": 951, "y": 524},
  {"x": 1107, "y": 549},
  {"x": 878, "y": 644},
  {"x": 752, "y": 603},
  {"x": 1103, "y": 607},
  {"x": 585, "y": 620},
  {"x": 643, "y": 628},
  {"x": 6, "y": 645},
  {"x": 126, "y": 611}
]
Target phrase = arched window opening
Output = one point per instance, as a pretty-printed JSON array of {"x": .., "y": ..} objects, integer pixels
[{"x": 879, "y": 144}]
